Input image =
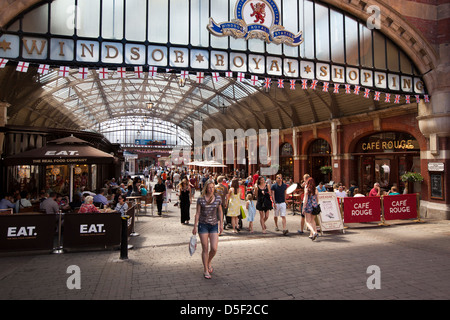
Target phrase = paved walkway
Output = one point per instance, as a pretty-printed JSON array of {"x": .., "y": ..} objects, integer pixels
[{"x": 413, "y": 261}]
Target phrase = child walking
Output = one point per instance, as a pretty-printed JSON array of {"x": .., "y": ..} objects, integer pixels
[{"x": 251, "y": 212}]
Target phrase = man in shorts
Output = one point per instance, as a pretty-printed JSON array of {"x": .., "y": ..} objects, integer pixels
[{"x": 278, "y": 190}]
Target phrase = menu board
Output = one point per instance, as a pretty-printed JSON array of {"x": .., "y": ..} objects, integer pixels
[
  {"x": 330, "y": 216},
  {"x": 437, "y": 186}
]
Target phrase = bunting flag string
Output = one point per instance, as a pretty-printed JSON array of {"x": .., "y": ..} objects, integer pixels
[{"x": 104, "y": 73}]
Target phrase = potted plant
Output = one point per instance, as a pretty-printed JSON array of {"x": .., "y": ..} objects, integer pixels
[
  {"x": 326, "y": 169},
  {"x": 410, "y": 177}
]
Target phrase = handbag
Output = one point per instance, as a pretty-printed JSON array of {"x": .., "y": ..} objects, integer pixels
[
  {"x": 243, "y": 213},
  {"x": 316, "y": 210}
]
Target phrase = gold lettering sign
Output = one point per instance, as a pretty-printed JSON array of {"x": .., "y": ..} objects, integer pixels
[{"x": 387, "y": 145}]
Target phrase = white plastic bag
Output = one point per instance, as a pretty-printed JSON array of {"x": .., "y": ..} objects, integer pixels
[{"x": 192, "y": 244}]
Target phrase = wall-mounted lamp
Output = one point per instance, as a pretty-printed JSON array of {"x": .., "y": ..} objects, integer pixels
[{"x": 181, "y": 82}]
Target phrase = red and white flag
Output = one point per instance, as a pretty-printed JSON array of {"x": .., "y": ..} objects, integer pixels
[
  {"x": 267, "y": 83},
  {"x": 387, "y": 97},
  {"x": 82, "y": 73},
  {"x": 43, "y": 69},
  {"x": 336, "y": 88},
  {"x": 122, "y": 71},
  {"x": 229, "y": 74},
  {"x": 280, "y": 83},
  {"x": 22, "y": 66},
  {"x": 63, "y": 71},
  {"x": 103, "y": 73},
  {"x": 326, "y": 86},
  {"x": 304, "y": 84},
  {"x": 152, "y": 71},
  {"x": 200, "y": 77},
  {"x": 314, "y": 85},
  {"x": 184, "y": 74},
  {"x": 139, "y": 72},
  {"x": 3, "y": 63},
  {"x": 215, "y": 76},
  {"x": 254, "y": 80},
  {"x": 292, "y": 84},
  {"x": 366, "y": 93},
  {"x": 240, "y": 76},
  {"x": 377, "y": 96}
]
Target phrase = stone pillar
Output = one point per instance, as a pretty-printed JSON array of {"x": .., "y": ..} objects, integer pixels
[
  {"x": 434, "y": 123},
  {"x": 3, "y": 121}
]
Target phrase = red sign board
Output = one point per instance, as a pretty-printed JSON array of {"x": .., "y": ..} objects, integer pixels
[
  {"x": 400, "y": 207},
  {"x": 362, "y": 209}
]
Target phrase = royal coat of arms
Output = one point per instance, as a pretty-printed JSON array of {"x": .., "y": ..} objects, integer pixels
[{"x": 256, "y": 19}]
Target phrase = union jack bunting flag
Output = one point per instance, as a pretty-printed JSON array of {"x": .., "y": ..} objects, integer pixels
[
  {"x": 292, "y": 84},
  {"x": 397, "y": 98},
  {"x": 408, "y": 99},
  {"x": 347, "y": 88},
  {"x": 314, "y": 84},
  {"x": 326, "y": 86},
  {"x": 304, "y": 84},
  {"x": 267, "y": 83},
  {"x": 357, "y": 88},
  {"x": 417, "y": 98},
  {"x": 336, "y": 88},
  {"x": 280, "y": 83},
  {"x": 377, "y": 96},
  {"x": 427, "y": 98},
  {"x": 387, "y": 97},
  {"x": 366, "y": 93}
]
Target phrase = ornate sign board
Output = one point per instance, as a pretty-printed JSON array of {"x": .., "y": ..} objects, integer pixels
[
  {"x": 256, "y": 19},
  {"x": 62, "y": 51}
]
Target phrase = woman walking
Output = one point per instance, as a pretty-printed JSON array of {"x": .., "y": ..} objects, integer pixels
[
  {"x": 234, "y": 207},
  {"x": 310, "y": 201},
  {"x": 263, "y": 202},
  {"x": 208, "y": 223},
  {"x": 185, "y": 200}
]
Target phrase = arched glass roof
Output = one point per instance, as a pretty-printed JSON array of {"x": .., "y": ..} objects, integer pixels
[{"x": 331, "y": 37}]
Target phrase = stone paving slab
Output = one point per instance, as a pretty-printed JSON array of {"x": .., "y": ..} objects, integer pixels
[{"x": 413, "y": 259}]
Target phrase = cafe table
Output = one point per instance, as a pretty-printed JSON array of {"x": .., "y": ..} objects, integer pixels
[{"x": 135, "y": 200}]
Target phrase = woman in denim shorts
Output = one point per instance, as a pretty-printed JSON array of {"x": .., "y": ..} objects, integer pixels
[{"x": 208, "y": 223}]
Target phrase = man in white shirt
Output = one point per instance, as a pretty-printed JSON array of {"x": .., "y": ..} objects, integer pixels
[{"x": 340, "y": 193}]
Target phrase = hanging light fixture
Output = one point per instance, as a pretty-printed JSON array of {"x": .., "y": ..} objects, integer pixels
[
  {"x": 181, "y": 82},
  {"x": 149, "y": 105}
]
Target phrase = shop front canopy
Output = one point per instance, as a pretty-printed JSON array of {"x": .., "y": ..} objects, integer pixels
[{"x": 70, "y": 150}]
